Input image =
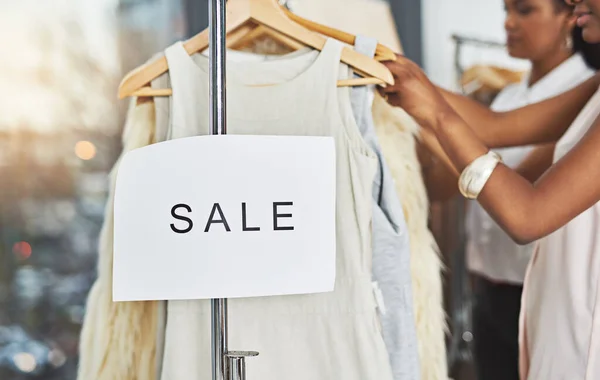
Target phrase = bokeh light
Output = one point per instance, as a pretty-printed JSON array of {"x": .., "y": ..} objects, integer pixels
[
  {"x": 22, "y": 250},
  {"x": 25, "y": 362},
  {"x": 85, "y": 150}
]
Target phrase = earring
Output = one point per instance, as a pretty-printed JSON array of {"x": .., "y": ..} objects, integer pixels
[{"x": 569, "y": 43}]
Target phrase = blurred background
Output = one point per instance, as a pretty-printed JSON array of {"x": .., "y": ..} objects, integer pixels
[{"x": 60, "y": 125}]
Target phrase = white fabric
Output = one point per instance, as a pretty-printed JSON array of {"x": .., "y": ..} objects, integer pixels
[
  {"x": 391, "y": 247},
  {"x": 318, "y": 337},
  {"x": 490, "y": 251},
  {"x": 560, "y": 317}
]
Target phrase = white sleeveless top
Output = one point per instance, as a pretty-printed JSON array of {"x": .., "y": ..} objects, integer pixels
[
  {"x": 560, "y": 317},
  {"x": 318, "y": 337}
]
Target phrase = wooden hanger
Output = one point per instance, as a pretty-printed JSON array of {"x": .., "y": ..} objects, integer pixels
[
  {"x": 260, "y": 31},
  {"x": 267, "y": 13},
  {"x": 235, "y": 36},
  {"x": 382, "y": 52}
]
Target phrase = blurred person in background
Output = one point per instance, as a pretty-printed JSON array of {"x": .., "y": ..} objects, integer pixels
[{"x": 544, "y": 33}]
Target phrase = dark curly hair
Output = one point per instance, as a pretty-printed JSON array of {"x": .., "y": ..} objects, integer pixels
[{"x": 590, "y": 52}]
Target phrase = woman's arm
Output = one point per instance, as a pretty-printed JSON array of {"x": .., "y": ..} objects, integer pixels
[
  {"x": 543, "y": 122},
  {"x": 525, "y": 211},
  {"x": 439, "y": 174},
  {"x": 536, "y": 163},
  {"x": 528, "y": 212},
  {"x": 441, "y": 181}
]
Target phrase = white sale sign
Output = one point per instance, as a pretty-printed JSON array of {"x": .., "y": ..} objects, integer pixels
[{"x": 225, "y": 217}]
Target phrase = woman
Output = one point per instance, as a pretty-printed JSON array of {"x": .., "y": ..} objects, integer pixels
[
  {"x": 541, "y": 31},
  {"x": 560, "y": 316}
]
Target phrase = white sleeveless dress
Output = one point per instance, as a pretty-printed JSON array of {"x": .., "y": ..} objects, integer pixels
[
  {"x": 560, "y": 315},
  {"x": 317, "y": 337}
]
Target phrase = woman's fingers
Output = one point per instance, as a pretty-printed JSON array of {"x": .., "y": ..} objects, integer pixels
[
  {"x": 402, "y": 70},
  {"x": 400, "y": 78},
  {"x": 403, "y": 74},
  {"x": 401, "y": 61}
]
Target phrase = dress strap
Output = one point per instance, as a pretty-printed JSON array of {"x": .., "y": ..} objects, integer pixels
[
  {"x": 328, "y": 57},
  {"x": 187, "y": 92}
]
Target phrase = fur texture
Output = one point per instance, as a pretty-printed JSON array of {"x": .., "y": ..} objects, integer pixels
[
  {"x": 118, "y": 340},
  {"x": 396, "y": 131}
]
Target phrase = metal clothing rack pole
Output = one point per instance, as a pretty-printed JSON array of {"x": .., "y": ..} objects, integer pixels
[
  {"x": 218, "y": 123},
  {"x": 226, "y": 365}
]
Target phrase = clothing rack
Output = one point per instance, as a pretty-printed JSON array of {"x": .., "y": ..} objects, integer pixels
[{"x": 226, "y": 365}]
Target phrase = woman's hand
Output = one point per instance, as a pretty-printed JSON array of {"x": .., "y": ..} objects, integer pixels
[{"x": 415, "y": 93}]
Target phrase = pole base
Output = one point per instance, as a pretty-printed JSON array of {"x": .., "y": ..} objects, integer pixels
[{"x": 237, "y": 363}]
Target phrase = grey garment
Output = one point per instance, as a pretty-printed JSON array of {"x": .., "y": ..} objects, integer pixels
[{"x": 391, "y": 248}]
